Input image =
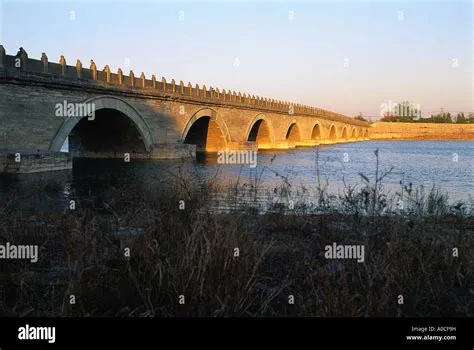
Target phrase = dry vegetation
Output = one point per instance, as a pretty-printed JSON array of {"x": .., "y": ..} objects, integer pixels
[{"x": 190, "y": 252}]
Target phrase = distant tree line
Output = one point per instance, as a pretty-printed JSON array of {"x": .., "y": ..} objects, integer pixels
[
  {"x": 360, "y": 117},
  {"x": 410, "y": 113},
  {"x": 459, "y": 118}
]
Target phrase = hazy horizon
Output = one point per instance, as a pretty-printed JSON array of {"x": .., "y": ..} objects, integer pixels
[{"x": 345, "y": 56}]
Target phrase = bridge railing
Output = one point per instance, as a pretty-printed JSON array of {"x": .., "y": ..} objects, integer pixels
[{"x": 61, "y": 70}]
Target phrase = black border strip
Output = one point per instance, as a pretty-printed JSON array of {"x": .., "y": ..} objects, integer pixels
[{"x": 295, "y": 333}]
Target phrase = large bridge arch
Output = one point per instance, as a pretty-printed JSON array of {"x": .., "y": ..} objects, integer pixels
[
  {"x": 293, "y": 132},
  {"x": 316, "y": 131},
  {"x": 215, "y": 130},
  {"x": 332, "y": 133},
  {"x": 100, "y": 103},
  {"x": 260, "y": 125},
  {"x": 344, "y": 134}
]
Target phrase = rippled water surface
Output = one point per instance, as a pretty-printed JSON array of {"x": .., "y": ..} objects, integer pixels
[{"x": 447, "y": 164}]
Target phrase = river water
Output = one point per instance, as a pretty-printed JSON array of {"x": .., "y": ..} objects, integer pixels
[{"x": 449, "y": 165}]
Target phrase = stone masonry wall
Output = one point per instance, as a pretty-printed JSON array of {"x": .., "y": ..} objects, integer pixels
[{"x": 420, "y": 131}]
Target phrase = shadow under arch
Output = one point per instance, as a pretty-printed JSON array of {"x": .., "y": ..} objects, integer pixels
[
  {"x": 353, "y": 133},
  {"x": 265, "y": 121},
  {"x": 316, "y": 131},
  {"x": 332, "y": 133},
  {"x": 344, "y": 135},
  {"x": 104, "y": 102},
  {"x": 212, "y": 117},
  {"x": 293, "y": 132}
]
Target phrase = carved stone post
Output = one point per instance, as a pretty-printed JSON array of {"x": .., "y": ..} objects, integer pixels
[
  {"x": 21, "y": 59},
  {"x": 44, "y": 60},
  {"x": 93, "y": 69},
  {"x": 120, "y": 76},
  {"x": 163, "y": 83},
  {"x": 62, "y": 62},
  {"x": 107, "y": 73},
  {"x": 2, "y": 56},
  {"x": 132, "y": 78},
  {"x": 79, "y": 69}
]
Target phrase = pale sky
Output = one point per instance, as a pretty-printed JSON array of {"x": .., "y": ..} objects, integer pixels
[{"x": 346, "y": 56}]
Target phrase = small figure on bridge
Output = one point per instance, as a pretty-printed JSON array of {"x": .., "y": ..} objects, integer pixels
[
  {"x": 22, "y": 53},
  {"x": 93, "y": 66},
  {"x": 21, "y": 59}
]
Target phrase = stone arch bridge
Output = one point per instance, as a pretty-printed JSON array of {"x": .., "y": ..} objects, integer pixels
[{"x": 107, "y": 114}]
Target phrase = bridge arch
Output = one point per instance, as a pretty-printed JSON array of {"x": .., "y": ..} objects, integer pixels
[
  {"x": 293, "y": 132},
  {"x": 101, "y": 103},
  {"x": 206, "y": 130},
  {"x": 353, "y": 134},
  {"x": 361, "y": 133},
  {"x": 366, "y": 133},
  {"x": 332, "y": 133},
  {"x": 316, "y": 131},
  {"x": 260, "y": 130},
  {"x": 344, "y": 135}
]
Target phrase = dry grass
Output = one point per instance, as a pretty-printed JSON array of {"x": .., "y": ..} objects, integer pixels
[{"x": 191, "y": 252}]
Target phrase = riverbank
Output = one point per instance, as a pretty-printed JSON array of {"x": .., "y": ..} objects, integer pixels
[
  {"x": 172, "y": 255},
  {"x": 27, "y": 162},
  {"x": 420, "y": 131}
]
